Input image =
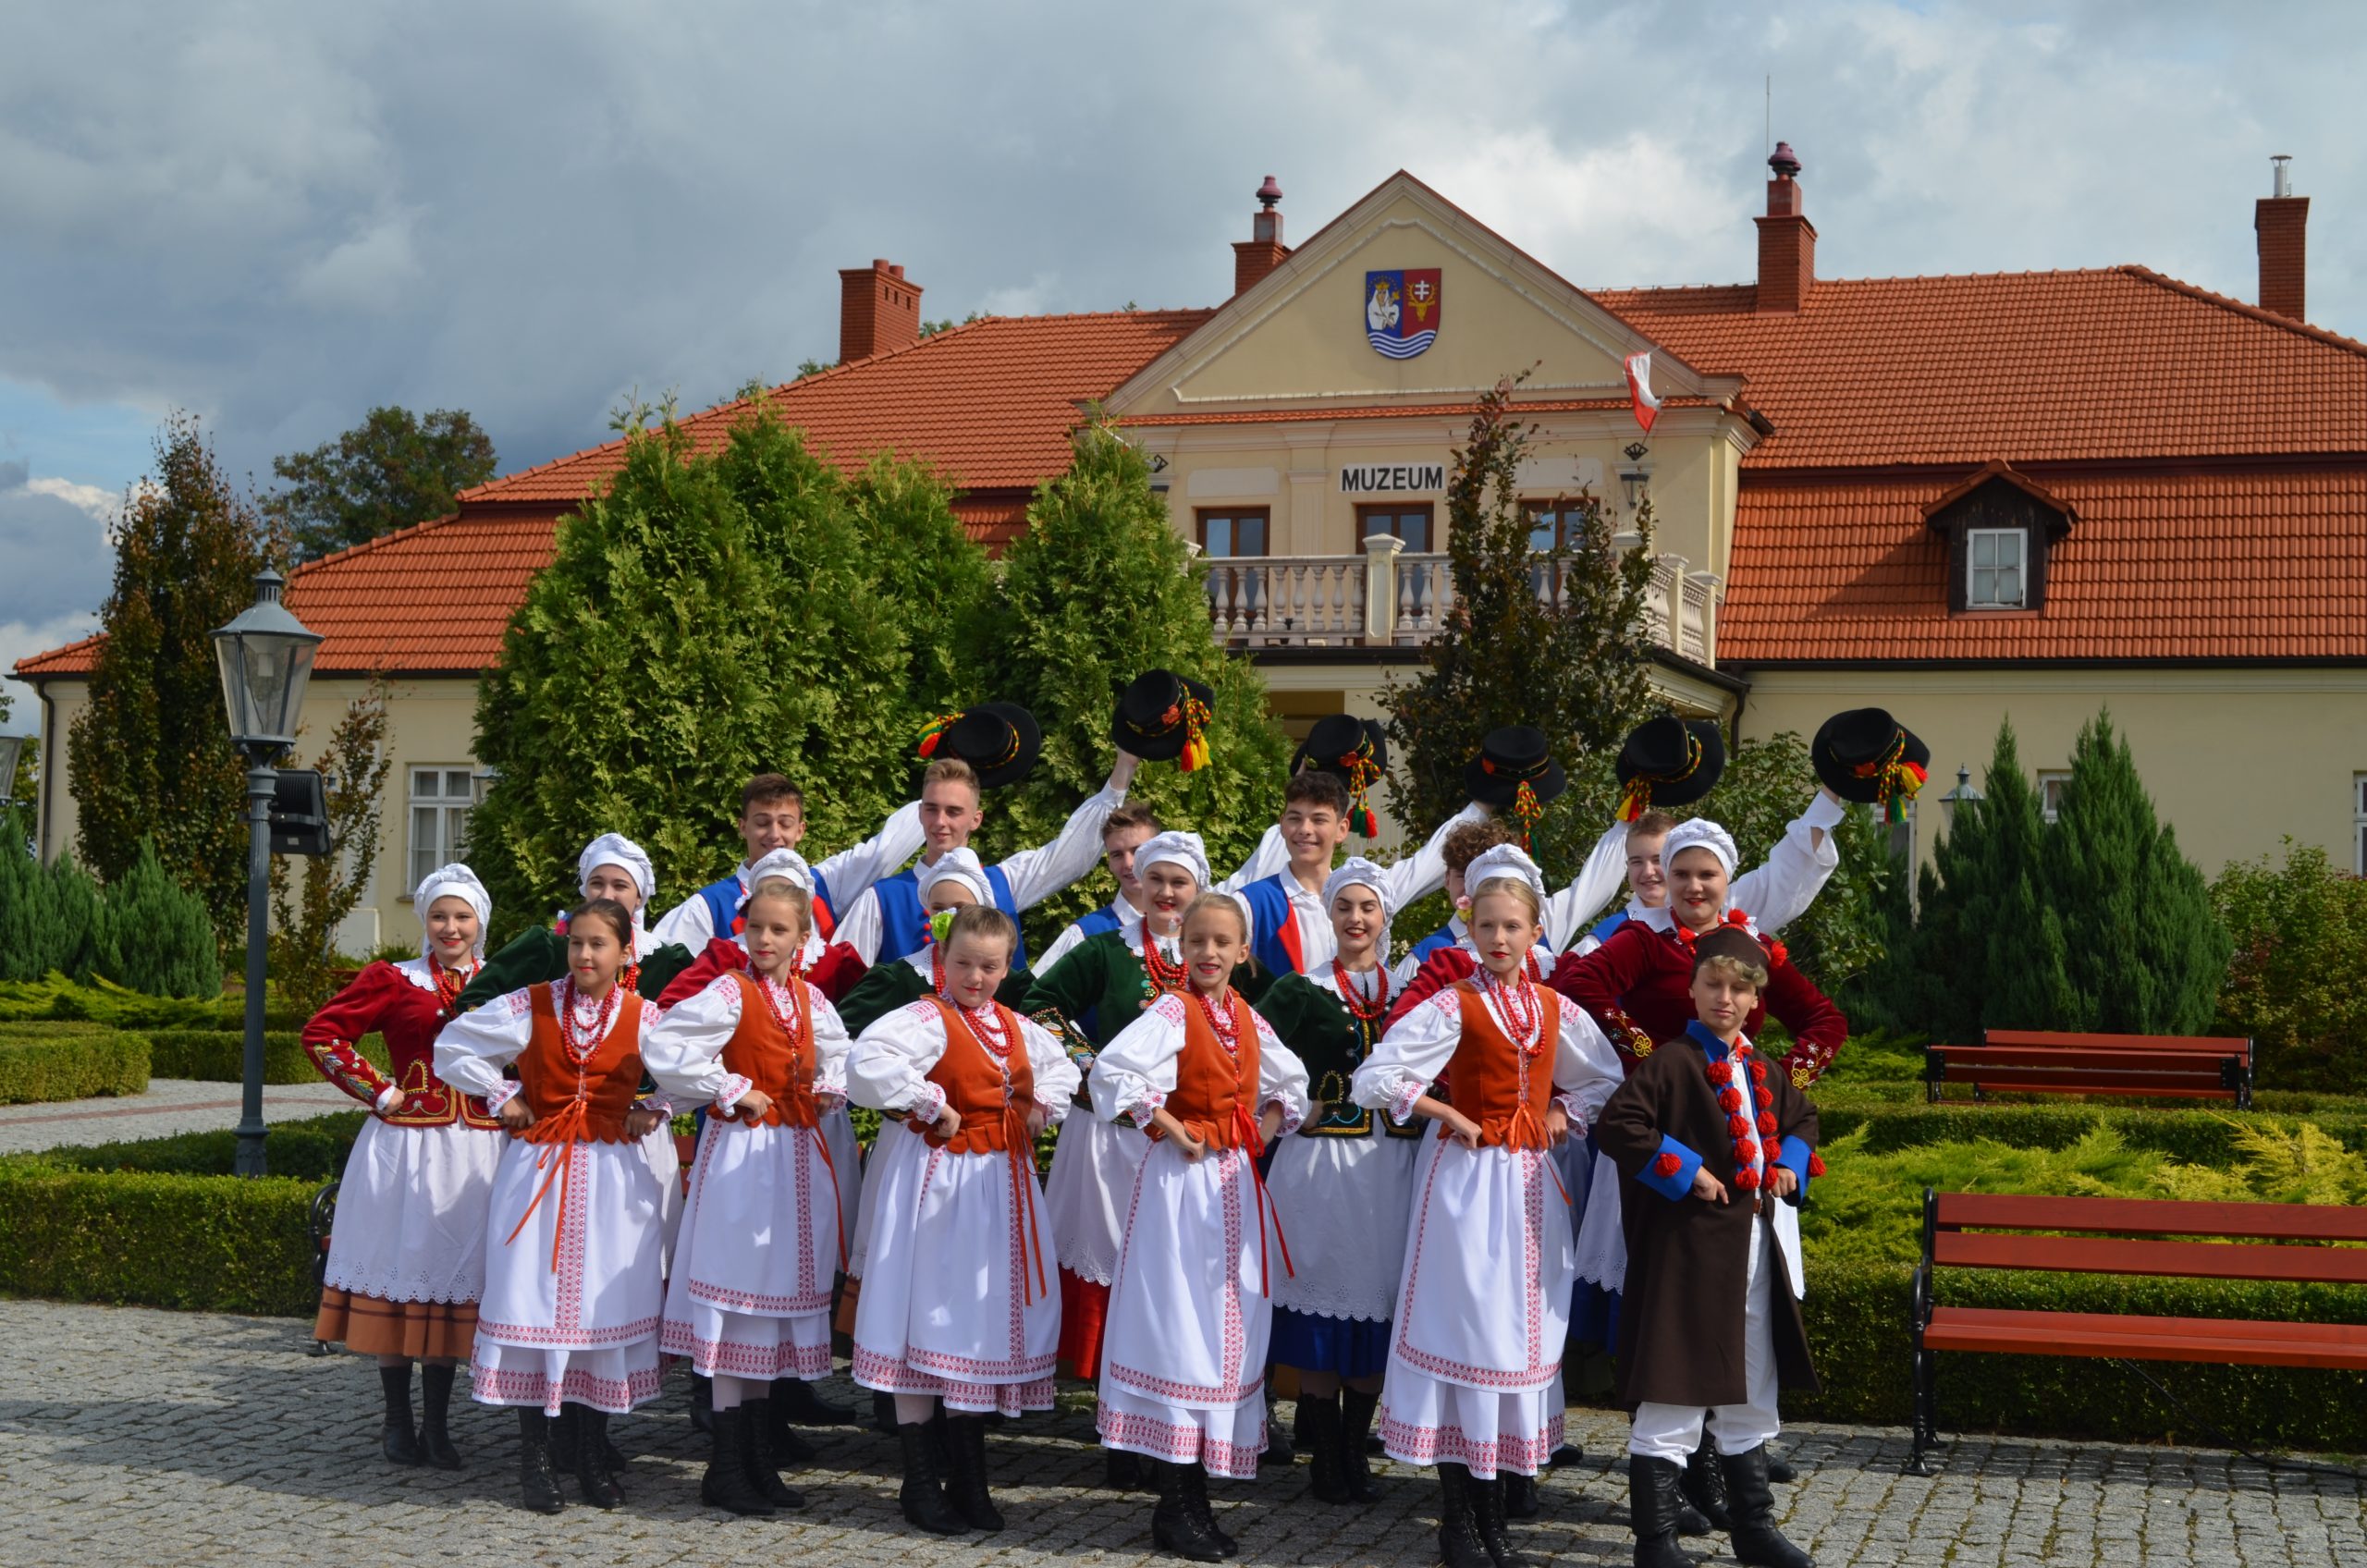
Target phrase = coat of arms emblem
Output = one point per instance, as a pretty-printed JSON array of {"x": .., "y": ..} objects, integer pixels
[{"x": 1402, "y": 311}]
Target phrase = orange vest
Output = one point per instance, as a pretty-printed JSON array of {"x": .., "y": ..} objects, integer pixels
[
  {"x": 763, "y": 1052},
  {"x": 1215, "y": 1090},
  {"x": 1496, "y": 1083},
  {"x": 604, "y": 1086},
  {"x": 992, "y": 1094}
]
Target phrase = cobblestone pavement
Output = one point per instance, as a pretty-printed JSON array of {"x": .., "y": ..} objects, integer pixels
[
  {"x": 171, "y": 1105},
  {"x": 130, "y": 1437}
]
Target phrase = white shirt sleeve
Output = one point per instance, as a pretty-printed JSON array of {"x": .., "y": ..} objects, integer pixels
[
  {"x": 1136, "y": 1071},
  {"x": 850, "y": 871},
  {"x": 1272, "y": 856},
  {"x": 1798, "y": 866},
  {"x": 1586, "y": 1069},
  {"x": 887, "y": 1067},
  {"x": 1281, "y": 1077},
  {"x": 689, "y": 922},
  {"x": 1410, "y": 1057},
  {"x": 832, "y": 1045},
  {"x": 1424, "y": 872},
  {"x": 684, "y": 1050},
  {"x": 1035, "y": 875},
  {"x": 473, "y": 1049},
  {"x": 1056, "y": 1076},
  {"x": 1597, "y": 883},
  {"x": 860, "y": 925}
]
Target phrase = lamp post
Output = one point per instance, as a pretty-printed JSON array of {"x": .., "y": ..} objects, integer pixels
[
  {"x": 1963, "y": 794},
  {"x": 266, "y": 659}
]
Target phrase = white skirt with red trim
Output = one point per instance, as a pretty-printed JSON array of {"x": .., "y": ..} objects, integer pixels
[
  {"x": 846, "y": 1158},
  {"x": 961, "y": 1292},
  {"x": 749, "y": 1295},
  {"x": 1092, "y": 1180}
]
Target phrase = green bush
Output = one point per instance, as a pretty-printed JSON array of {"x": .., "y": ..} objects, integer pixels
[
  {"x": 199, "y": 1244},
  {"x": 48, "y": 913},
  {"x": 2299, "y": 930},
  {"x": 153, "y": 936},
  {"x": 311, "y": 1150},
  {"x": 218, "y": 1056},
  {"x": 70, "y": 1061}
]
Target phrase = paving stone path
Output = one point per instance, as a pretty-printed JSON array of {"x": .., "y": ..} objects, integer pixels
[
  {"x": 131, "y": 1437},
  {"x": 171, "y": 1105}
]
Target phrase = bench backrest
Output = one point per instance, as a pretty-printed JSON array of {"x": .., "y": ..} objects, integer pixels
[
  {"x": 2114, "y": 1236},
  {"x": 2090, "y": 1071},
  {"x": 2154, "y": 1045}
]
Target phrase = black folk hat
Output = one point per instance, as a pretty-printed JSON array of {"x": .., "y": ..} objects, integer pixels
[
  {"x": 1669, "y": 762},
  {"x": 1869, "y": 757},
  {"x": 1355, "y": 751},
  {"x": 1000, "y": 740},
  {"x": 1514, "y": 771},
  {"x": 1156, "y": 717}
]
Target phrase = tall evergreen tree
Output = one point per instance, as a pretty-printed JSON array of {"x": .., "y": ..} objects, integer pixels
[
  {"x": 152, "y": 936},
  {"x": 48, "y": 913},
  {"x": 1099, "y": 589},
  {"x": 150, "y": 755},
  {"x": 928, "y": 568}
]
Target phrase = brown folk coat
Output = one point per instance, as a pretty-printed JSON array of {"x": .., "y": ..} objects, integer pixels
[{"x": 1681, "y": 1311}]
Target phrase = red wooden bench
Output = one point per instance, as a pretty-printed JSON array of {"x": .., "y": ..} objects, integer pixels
[
  {"x": 2153, "y": 1066},
  {"x": 2130, "y": 1236}
]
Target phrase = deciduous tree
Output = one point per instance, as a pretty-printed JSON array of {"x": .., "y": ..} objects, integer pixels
[
  {"x": 394, "y": 469},
  {"x": 310, "y": 904}
]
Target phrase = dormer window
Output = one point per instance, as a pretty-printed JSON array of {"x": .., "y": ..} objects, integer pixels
[{"x": 1998, "y": 529}]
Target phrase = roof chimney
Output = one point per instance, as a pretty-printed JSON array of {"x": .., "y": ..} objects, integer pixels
[
  {"x": 877, "y": 310},
  {"x": 1787, "y": 239},
  {"x": 1264, "y": 249},
  {"x": 2280, "y": 224}
]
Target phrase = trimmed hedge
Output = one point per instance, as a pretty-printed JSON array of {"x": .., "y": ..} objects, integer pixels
[
  {"x": 199, "y": 1244},
  {"x": 220, "y": 1056},
  {"x": 2195, "y": 1136},
  {"x": 70, "y": 1061},
  {"x": 311, "y": 1150},
  {"x": 103, "y": 1001}
]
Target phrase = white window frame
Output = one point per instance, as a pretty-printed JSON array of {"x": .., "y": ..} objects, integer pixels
[
  {"x": 2021, "y": 567},
  {"x": 450, "y": 814},
  {"x": 2050, "y": 792},
  {"x": 2359, "y": 823}
]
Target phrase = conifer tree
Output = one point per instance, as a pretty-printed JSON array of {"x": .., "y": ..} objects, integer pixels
[
  {"x": 149, "y": 757},
  {"x": 153, "y": 937},
  {"x": 929, "y": 574},
  {"x": 46, "y": 912}
]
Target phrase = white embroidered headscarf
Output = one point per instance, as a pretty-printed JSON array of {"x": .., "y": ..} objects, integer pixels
[
  {"x": 454, "y": 881},
  {"x": 615, "y": 849},
  {"x": 1499, "y": 862},
  {"x": 1173, "y": 848},
  {"x": 956, "y": 865},
  {"x": 784, "y": 865},
  {"x": 1358, "y": 872},
  {"x": 1699, "y": 833}
]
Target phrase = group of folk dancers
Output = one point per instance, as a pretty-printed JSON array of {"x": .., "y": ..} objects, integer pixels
[{"x": 1275, "y": 1148}]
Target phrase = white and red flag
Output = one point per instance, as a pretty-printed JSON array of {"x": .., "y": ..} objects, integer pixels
[{"x": 1639, "y": 389}]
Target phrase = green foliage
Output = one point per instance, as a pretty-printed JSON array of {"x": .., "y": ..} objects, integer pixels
[
  {"x": 311, "y": 1150},
  {"x": 149, "y": 756},
  {"x": 305, "y": 917},
  {"x": 153, "y": 937},
  {"x": 1099, "y": 589},
  {"x": 102, "y": 1001},
  {"x": 199, "y": 1244},
  {"x": 706, "y": 619},
  {"x": 2293, "y": 985},
  {"x": 392, "y": 470},
  {"x": 218, "y": 1056},
  {"x": 1574, "y": 669},
  {"x": 929, "y": 574},
  {"x": 70, "y": 1061},
  {"x": 48, "y": 913}
]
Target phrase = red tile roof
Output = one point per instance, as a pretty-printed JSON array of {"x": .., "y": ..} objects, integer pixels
[
  {"x": 2197, "y": 565},
  {"x": 990, "y": 404},
  {"x": 2024, "y": 367}
]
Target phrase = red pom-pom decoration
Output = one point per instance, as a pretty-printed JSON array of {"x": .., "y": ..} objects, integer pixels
[
  {"x": 1766, "y": 1125},
  {"x": 1766, "y": 1099},
  {"x": 1746, "y": 1152},
  {"x": 1737, "y": 1126},
  {"x": 1816, "y": 1163},
  {"x": 1747, "y": 1179},
  {"x": 1759, "y": 1073},
  {"x": 1730, "y": 1100},
  {"x": 1722, "y": 1073},
  {"x": 1667, "y": 1164}
]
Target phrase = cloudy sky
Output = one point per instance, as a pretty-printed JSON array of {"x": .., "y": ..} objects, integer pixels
[{"x": 278, "y": 215}]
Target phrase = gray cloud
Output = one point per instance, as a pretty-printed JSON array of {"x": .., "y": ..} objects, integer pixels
[{"x": 13, "y": 476}]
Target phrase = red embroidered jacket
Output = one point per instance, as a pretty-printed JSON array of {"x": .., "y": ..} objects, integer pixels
[
  {"x": 835, "y": 974},
  {"x": 385, "y": 1000},
  {"x": 1639, "y": 988}
]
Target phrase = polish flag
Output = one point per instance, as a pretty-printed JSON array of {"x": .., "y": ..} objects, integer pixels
[{"x": 1639, "y": 388}]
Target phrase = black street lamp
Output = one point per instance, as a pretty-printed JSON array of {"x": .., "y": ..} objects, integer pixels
[
  {"x": 1963, "y": 794},
  {"x": 267, "y": 660}
]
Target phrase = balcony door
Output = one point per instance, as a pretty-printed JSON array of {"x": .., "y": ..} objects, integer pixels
[{"x": 1411, "y": 524}]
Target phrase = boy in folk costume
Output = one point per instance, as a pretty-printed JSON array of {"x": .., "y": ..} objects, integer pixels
[
  {"x": 1183, "y": 1359},
  {"x": 983, "y": 748},
  {"x": 772, "y": 816},
  {"x": 1462, "y": 845},
  {"x": 407, "y": 1260},
  {"x": 1475, "y": 1375},
  {"x": 1089, "y": 997},
  {"x": 1721, "y": 1143},
  {"x": 959, "y": 1304},
  {"x": 1129, "y": 827},
  {"x": 749, "y": 1299},
  {"x": 1347, "y": 1183},
  {"x": 574, "y": 1273}
]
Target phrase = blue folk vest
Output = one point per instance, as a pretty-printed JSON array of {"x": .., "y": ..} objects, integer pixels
[
  {"x": 1274, "y": 941},
  {"x": 1442, "y": 938},
  {"x": 722, "y": 900},
  {"x": 903, "y": 925}
]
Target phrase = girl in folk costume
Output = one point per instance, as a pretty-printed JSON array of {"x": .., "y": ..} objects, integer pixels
[
  {"x": 958, "y": 1301},
  {"x": 1089, "y": 995},
  {"x": 1183, "y": 1359},
  {"x": 1723, "y": 1145},
  {"x": 1475, "y": 1374},
  {"x": 407, "y": 1260},
  {"x": 1346, "y": 1181},
  {"x": 749, "y": 1299},
  {"x": 574, "y": 1279}
]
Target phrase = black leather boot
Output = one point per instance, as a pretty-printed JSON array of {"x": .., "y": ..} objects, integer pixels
[
  {"x": 727, "y": 1484},
  {"x": 1488, "y": 1518},
  {"x": 1122, "y": 1472},
  {"x": 702, "y": 1404},
  {"x": 922, "y": 1495},
  {"x": 593, "y": 1477},
  {"x": 1279, "y": 1449},
  {"x": 537, "y": 1482},
  {"x": 801, "y": 1403},
  {"x": 1751, "y": 1507},
  {"x": 1652, "y": 1505},
  {"x": 1195, "y": 1498},
  {"x": 1356, "y": 1426},
  {"x": 1459, "y": 1542},
  {"x": 398, "y": 1441},
  {"x": 1779, "y": 1469},
  {"x": 1320, "y": 1421},
  {"x": 1520, "y": 1495},
  {"x": 966, "y": 1483},
  {"x": 435, "y": 1413},
  {"x": 788, "y": 1446},
  {"x": 1704, "y": 1489},
  {"x": 1176, "y": 1526},
  {"x": 758, "y": 1457},
  {"x": 883, "y": 1414}
]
